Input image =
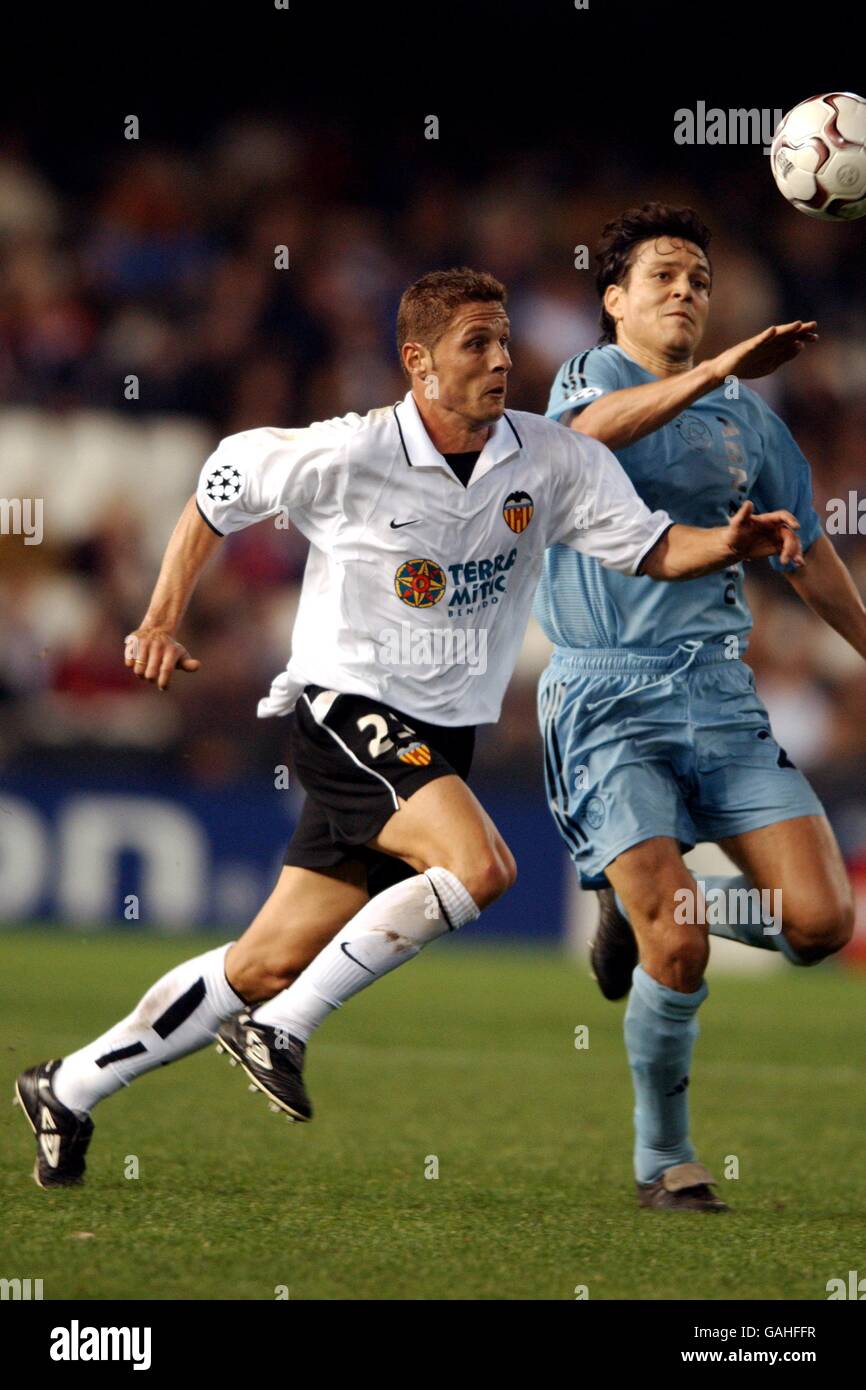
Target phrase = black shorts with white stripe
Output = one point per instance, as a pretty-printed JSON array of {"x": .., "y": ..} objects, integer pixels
[{"x": 354, "y": 757}]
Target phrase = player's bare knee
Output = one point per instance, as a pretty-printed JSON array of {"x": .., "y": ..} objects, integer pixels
[
  {"x": 656, "y": 904},
  {"x": 821, "y": 934},
  {"x": 684, "y": 955},
  {"x": 486, "y": 879}
]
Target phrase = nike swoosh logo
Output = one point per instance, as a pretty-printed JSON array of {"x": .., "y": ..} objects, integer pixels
[
  {"x": 344, "y": 947},
  {"x": 395, "y": 525}
]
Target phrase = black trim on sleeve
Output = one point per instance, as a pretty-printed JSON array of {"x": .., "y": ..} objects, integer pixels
[
  {"x": 650, "y": 548},
  {"x": 208, "y": 520}
]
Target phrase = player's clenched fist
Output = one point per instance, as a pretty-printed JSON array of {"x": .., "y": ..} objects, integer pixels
[{"x": 153, "y": 654}]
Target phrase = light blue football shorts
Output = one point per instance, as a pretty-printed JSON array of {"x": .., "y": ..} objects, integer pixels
[{"x": 650, "y": 742}]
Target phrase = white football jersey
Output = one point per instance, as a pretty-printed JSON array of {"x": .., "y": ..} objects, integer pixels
[{"x": 417, "y": 591}]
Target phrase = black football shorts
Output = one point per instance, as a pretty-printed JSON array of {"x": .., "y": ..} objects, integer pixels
[{"x": 354, "y": 757}]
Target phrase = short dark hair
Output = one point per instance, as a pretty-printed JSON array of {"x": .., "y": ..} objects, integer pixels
[
  {"x": 615, "y": 251},
  {"x": 427, "y": 307}
]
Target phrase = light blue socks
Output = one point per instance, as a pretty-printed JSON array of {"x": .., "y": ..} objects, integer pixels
[
  {"x": 661, "y": 1027},
  {"x": 661, "y": 1024}
]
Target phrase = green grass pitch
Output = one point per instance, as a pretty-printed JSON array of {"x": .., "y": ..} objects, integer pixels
[{"x": 468, "y": 1056}]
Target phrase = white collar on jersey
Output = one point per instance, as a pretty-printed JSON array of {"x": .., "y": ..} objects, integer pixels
[{"x": 421, "y": 452}]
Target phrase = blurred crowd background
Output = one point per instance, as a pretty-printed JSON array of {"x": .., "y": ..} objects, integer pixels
[{"x": 155, "y": 260}]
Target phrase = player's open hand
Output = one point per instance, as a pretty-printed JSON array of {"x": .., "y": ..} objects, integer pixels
[
  {"x": 761, "y": 355},
  {"x": 769, "y": 533},
  {"x": 153, "y": 654}
]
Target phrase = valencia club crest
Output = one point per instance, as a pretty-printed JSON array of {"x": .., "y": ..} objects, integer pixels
[
  {"x": 416, "y": 754},
  {"x": 517, "y": 511}
]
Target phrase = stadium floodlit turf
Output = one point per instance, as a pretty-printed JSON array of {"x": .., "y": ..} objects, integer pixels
[{"x": 468, "y": 1057}]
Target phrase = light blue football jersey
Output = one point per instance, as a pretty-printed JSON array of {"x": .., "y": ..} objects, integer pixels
[{"x": 700, "y": 468}]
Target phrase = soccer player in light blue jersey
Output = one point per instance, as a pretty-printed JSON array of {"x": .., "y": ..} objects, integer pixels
[{"x": 654, "y": 736}]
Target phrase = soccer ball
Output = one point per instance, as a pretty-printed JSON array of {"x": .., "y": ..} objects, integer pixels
[{"x": 818, "y": 156}]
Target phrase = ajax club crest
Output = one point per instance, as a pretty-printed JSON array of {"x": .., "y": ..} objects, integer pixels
[
  {"x": 420, "y": 583},
  {"x": 517, "y": 511},
  {"x": 695, "y": 432}
]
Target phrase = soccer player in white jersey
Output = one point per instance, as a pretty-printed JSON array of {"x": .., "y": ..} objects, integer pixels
[
  {"x": 646, "y": 695},
  {"x": 428, "y": 523}
]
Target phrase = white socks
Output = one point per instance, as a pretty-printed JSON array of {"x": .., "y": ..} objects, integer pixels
[
  {"x": 182, "y": 1012},
  {"x": 178, "y": 1015},
  {"x": 389, "y": 930}
]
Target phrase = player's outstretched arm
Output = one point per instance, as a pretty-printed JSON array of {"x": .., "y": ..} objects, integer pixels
[
  {"x": 685, "y": 552},
  {"x": 825, "y": 585},
  {"x": 622, "y": 417},
  {"x": 151, "y": 650}
]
